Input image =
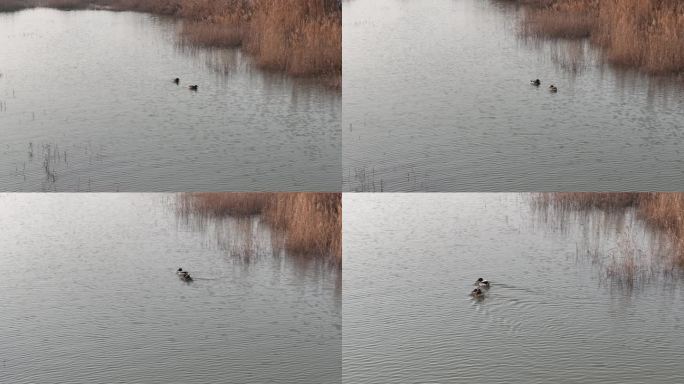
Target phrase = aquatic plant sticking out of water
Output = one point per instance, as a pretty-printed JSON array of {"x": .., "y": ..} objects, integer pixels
[
  {"x": 51, "y": 156},
  {"x": 627, "y": 264}
]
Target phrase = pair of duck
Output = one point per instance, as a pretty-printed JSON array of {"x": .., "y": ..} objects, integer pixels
[
  {"x": 482, "y": 285},
  {"x": 190, "y": 87},
  {"x": 183, "y": 275},
  {"x": 537, "y": 83}
]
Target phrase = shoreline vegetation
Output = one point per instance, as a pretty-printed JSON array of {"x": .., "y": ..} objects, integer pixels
[
  {"x": 299, "y": 37},
  {"x": 662, "y": 211},
  {"x": 646, "y": 35},
  {"x": 310, "y": 222}
]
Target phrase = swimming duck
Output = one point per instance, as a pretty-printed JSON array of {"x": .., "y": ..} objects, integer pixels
[
  {"x": 193, "y": 87},
  {"x": 183, "y": 275},
  {"x": 176, "y": 80},
  {"x": 535, "y": 82},
  {"x": 553, "y": 88},
  {"x": 482, "y": 283},
  {"x": 477, "y": 293}
]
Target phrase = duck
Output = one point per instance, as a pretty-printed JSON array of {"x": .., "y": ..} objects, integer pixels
[
  {"x": 482, "y": 283},
  {"x": 535, "y": 82},
  {"x": 193, "y": 87},
  {"x": 176, "y": 81},
  {"x": 183, "y": 275},
  {"x": 553, "y": 88},
  {"x": 186, "y": 277},
  {"x": 477, "y": 293}
]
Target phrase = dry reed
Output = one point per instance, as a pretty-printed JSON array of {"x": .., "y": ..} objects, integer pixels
[
  {"x": 15, "y": 5},
  {"x": 311, "y": 222},
  {"x": 67, "y": 4},
  {"x": 300, "y": 37},
  {"x": 662, "y": 211},
  {"x": 589, "y": 200},
  {"x": 642, "y": 34},
  {"x": 629, "y": 266}
]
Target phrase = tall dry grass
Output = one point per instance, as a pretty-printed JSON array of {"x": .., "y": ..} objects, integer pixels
[
  {"x": 15, "y": 5},
  {"x": 663, "y": 211},
  {"x": 66, "y": 4},
  {"x": 300, "y": 37},
  {"x": 642, "y": 34},
  {"x": 589, "y": 200},
  {"x": 310, "y": 222}
]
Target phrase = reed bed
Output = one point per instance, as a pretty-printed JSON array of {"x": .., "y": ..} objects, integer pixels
[
  {"x": 644, "y": 34},
  {"x": 67, "y": 4},
  {"x": 588, "y": 200},
  {"x": 311, "y": 222},
  {"x": 299, "y": 37},
  {"x": 210, "y": 35},
  {"x": 15, "y": 5},
  {"x": 663, "y": 211}
]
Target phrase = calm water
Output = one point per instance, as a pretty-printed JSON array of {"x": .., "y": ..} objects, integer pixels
[
  {"x": 549, "y": 317},
  {"x": 97, "y": 86},
  {"x": 90, "y": 295},
  {"x": 436, "y": 97}
]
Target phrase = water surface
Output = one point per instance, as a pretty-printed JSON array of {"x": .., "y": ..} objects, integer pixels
[
  {"x": 91, "y": 93},
  {"x": 551, "y": 315},
  {"x": 90, "y": 295},
  {"x": 436, "y": 97}
]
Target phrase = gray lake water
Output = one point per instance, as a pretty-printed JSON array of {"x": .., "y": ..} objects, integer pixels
[
  {"x": 92, "y": 92},
  {"x": 551, "y": 315},
  {"x": 436, "y": 97},
  {"x": 90, "y": 295}
]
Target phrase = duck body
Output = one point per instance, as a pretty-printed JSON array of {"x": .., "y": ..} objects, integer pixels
[
  {"x": 535, "y": 82},
  {"x": 553, "y": 88},
  {"x": 477, "y": 293},
  {"x": 183, "y": 275},
  {"x": 482, "y": 283},
  {"x": 193, "y": 87},
  {"x": 176, "y": 81}
]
